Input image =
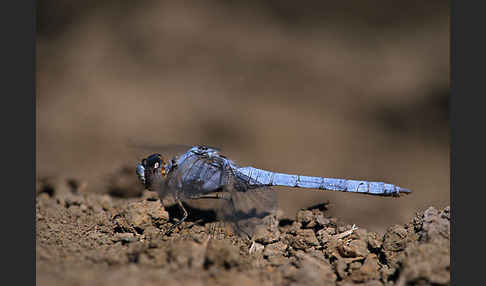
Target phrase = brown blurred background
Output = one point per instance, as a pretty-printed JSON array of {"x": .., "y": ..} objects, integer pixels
[{"x": 357, "y": 89}]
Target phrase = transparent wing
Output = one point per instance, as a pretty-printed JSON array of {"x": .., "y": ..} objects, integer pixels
[
  {"x": 242, "y": 207},
  {"x": 169, "y": 187},
  {"x": 184, "y": 182},
  {"x": 168, "y": 151},
  {"x": 245, "y": 208}
]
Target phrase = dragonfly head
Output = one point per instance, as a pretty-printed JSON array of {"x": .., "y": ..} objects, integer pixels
[{"x": 153, "y": 165}]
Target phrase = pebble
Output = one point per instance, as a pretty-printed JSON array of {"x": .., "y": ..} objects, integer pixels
[{"x": 125, "y": 237}]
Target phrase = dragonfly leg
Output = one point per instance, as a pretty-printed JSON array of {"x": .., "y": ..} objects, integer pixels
[
  {"x": 181, "y": 206},
  {"x": 184, "y": 210}
]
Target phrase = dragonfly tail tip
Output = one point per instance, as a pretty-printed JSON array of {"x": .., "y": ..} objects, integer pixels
[{"x": 404, "y": 191}]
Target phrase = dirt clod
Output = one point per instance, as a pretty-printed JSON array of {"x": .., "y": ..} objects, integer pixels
[{"x": 355, "y": 248}]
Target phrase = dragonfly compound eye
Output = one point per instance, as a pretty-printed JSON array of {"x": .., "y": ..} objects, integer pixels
[
  {"x": 153, "y": 161},
  {"x": 153, "y": 165}
]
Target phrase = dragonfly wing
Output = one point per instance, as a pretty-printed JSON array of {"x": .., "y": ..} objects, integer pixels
[
  {"x": 167, "y": 188},
  {"x": 168, "y": 151},
  {"x": 187, "y": 180},
  {"x": 245, "y": 208}
]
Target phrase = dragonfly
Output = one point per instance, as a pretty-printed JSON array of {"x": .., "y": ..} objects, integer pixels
[{"x": 245, "y": 192}]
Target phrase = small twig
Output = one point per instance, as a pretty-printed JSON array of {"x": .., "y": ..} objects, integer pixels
[
  {"x": 347, "y": 233},
  {"x": 252, "y": 247}
]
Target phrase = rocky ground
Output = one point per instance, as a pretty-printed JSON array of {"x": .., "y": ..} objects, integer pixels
[{"x": 85, "y": 238}]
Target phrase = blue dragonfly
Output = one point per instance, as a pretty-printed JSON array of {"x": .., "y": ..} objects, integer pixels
[{"x": 244, "y": 192}]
